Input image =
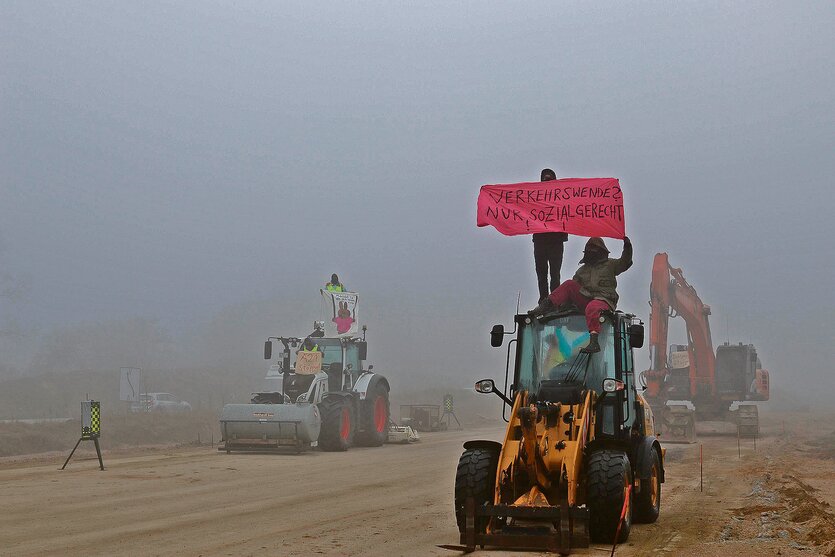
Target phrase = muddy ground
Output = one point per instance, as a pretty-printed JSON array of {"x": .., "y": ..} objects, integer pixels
[{"x": 397, "y": 500}]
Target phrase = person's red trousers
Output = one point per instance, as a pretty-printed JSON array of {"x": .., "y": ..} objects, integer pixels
[{"x": 569, "y": 291}]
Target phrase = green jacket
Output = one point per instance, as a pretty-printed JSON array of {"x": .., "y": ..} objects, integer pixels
[{"x": 597, "y": 280}]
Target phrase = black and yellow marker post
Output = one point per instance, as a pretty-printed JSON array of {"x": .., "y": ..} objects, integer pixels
[
  {"x": 449, "y": 413},
  {"x": 90, "y": 428}
]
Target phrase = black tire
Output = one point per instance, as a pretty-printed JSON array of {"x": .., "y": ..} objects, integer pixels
[
  {"x": 476, "y": 478},
  {"x": 648, "y": 502},
  {"x": 338, "y": 424},
  {"x": 374, "y": 418},
  {"x": 609, "y": 473}
]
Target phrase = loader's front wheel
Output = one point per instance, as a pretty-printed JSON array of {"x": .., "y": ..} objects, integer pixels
[
  {"x": 374, "y": 413},
  {"x": 648, "y": 501},
  {"x": 609, "y": 478},
  {"x": 337, "y": 433},
  {"x": 476, "y": 478}
]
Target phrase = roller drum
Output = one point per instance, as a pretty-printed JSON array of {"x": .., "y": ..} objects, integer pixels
[{"x": 270, "y": 422}]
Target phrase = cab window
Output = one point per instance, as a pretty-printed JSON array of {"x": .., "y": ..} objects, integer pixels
[
  {"x": 352, "y": 356},
  {"x": 552, "y": 351}
]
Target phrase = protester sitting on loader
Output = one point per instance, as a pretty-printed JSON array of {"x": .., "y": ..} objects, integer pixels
[
  {"x": 334, "y": 285},
  {"x": 593, "y": 288}
]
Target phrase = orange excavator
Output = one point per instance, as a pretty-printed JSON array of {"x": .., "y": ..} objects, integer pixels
[{"x": 710, "y": 382}]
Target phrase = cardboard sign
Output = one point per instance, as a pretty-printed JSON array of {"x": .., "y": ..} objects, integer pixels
[
  {"x": 581, "y": 206},
  {"x": 308, "y": 363}
]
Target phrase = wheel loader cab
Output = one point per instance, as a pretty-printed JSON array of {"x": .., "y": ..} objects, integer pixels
[{"x": 551, "y": 368}]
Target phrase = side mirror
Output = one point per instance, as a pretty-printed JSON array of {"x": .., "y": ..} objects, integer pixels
[
  {"x": 268, "y": 350},
  {"x": 363, "y": 350},
  {"x": 636, "y": 335},
  {"x": 496, "y": 336},
  {"x": 485, "y": 385}
]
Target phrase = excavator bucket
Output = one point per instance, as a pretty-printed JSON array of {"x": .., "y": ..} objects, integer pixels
[{"x": 678, "y": 424}]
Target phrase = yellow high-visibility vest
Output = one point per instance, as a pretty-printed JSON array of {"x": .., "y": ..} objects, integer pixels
[{"x": 334, "y": 287}]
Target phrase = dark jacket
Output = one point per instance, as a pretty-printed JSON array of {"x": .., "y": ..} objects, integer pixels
[
  {"x": 548, "y": 238},
  {"x": 597, "y": 280}
]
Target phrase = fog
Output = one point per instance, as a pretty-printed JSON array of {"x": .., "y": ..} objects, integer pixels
[{"x": 177, "y": 180}]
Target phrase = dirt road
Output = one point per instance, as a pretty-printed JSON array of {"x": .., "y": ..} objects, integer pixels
[{"x": 396, "y": 500}]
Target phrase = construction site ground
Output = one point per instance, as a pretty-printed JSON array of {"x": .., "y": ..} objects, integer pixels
[{"x": 397, "y": 500}]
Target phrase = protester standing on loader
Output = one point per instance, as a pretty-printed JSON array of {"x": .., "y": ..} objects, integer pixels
[
  {"x": 593, "y": 288},
  {"x": 547, "y": 251}
]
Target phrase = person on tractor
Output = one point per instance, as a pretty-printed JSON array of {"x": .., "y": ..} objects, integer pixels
[
  {"x": 593, "y": 288},
  {"x": 547, "y": 251},
  {"x": 334, "y": 285},
  {"x": 309, "y": 346}
]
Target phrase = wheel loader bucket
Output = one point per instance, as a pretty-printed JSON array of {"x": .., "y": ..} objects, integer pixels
[
  {"x": 557, "y": 529},
  {"x": 679, "y": 424},
  {"x": 248, "y": 427}
]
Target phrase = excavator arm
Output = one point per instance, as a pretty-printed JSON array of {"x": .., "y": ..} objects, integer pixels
[{"x": 671, "y": 295}]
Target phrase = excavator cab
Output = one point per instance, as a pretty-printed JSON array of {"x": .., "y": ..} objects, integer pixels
[{"x": 579, "y": 458}]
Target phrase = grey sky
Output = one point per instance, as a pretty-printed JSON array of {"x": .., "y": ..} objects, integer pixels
[{"x": 168, "y": 160}]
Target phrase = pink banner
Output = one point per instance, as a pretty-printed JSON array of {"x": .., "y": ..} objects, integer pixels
[{"x": 580, "y": 206}]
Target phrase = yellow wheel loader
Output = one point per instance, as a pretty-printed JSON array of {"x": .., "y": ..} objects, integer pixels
[{"x": 580, "y": 460}]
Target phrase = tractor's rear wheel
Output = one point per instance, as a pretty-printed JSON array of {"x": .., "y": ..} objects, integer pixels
[
  {"x": 338, "y": 424},
  {"x": 609, "y": 478},
  {"x": 476, "y": 478},
  {"x": 648, "y": 501},
  {"x": 374, "y": 416}
]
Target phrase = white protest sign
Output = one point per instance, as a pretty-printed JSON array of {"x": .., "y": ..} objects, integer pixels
[
  {"x": 343, "y": 306},
  {"x": 129, "y": 387}
]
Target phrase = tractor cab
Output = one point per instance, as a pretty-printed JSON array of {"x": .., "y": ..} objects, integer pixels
[{"x": 340, "y": 369}]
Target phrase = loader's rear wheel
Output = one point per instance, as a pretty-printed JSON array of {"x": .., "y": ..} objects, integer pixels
[
  {"x": 338, "y": 425},
  {"x": 648, "y": 501},
  {"x": 609, "y": 478},
  {"x": 374, "y": 413},
  {"x": 476, "y": 478}
]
